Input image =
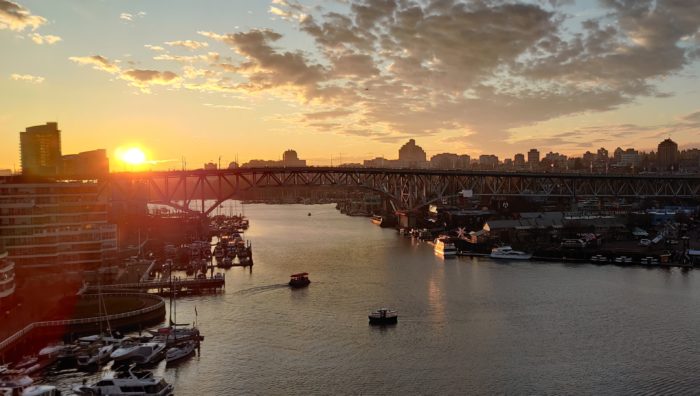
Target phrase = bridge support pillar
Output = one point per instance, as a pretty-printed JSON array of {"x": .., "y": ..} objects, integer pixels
[{"x": 407, "y": 220}]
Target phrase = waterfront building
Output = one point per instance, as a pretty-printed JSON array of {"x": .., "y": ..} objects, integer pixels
[
  {"x": 40, "y": 150},
  {"x": 7, "y": 278},
  {"x": 533, "y": 158},
  {"x": 85, "y": 165},
  {"x": 667, "y": 155},
  {"x": 55, "y": 226}
]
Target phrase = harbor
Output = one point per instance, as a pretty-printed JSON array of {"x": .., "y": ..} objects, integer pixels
[{"x": 260, "y": 335}]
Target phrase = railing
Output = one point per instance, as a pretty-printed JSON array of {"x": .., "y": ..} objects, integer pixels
[{"x": 69, "y": 322}]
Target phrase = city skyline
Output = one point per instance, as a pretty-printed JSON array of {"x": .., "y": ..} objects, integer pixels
[{"x": 354, "y": 80}]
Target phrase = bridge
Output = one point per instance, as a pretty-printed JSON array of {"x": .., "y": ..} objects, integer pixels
[{"x": 404, "y": 189}]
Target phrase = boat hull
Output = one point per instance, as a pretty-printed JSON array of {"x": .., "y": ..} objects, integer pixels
[{"x": 383, "y": 321}]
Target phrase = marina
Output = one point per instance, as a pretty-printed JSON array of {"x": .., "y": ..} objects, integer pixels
[{"x": 416, "y": 282}]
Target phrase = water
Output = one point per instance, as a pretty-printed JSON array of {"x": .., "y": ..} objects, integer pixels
[{"x": 466, "y": 326}]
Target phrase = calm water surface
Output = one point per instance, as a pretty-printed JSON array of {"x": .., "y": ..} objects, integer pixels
[{"x": 465, "y": 325}]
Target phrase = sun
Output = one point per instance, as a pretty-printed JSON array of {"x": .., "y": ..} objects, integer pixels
[{"x": 133, "y": 156}]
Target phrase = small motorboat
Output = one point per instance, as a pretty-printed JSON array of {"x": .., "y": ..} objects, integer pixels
[
  {"x": 383, "y": 316},
  {"x": 299, "y": 280},
  {"x": 180, "y": 352}
]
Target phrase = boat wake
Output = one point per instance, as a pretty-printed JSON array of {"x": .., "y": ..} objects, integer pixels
[{"x": 261, "y": 289}]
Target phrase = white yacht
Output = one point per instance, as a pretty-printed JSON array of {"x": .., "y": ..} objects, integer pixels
[
  {"x": 145, "y": 353},
  {"x": 134, "y": 385},
  {"x": 507, "y": 252},
  {"x": 445, "y": 248}
]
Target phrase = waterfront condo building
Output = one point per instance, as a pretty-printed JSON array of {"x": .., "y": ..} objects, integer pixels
[
  {"x": 7, "y": 279},
  {"x": 56, "y": 226},
  {"x": 40, "y": 150}
]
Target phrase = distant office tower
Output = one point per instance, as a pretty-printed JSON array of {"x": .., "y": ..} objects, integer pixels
[
  {"x": 40, "y": 148},
  {"x": 7, "y": 279},
  {"x": 519, "y": 160},
  {"x": 86, "y": 165},
  {"x": 533, "y": 158},
  {"x": 667, "y": 155},
  {"x": 55, "y": 226},
  {"x": 412, "y": 155}
]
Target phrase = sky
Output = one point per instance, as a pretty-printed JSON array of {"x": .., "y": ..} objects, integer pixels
[{"x": 347, "y": 80}]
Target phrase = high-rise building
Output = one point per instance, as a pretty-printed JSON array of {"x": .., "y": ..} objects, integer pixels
[
  {"x": 7, "y": 278},
  {"x": 290, "y": 158},
  {"x": 667, "y": 155},
  {"x": 488, "y": 161},
  {"x": 519, "y": 160},
  {"x": 40, "y": 150},
  {"x": 56, "y": 225},
  {"x": 412, "y": 155},
  {"x": 630, "y": 157},
  {"x": 444, "y": 161},
  {"x": 533, "y": 158},
  {"x": 602, "y": 154}
]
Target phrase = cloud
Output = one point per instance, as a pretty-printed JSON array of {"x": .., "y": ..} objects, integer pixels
[
  {"x": 482, "y": 69},
  {"x": 227, "y": 107},
  {"x": 45, "y": 39},
  {"x": 189, "y": 44},
  {"x": 156, "y": 48},
  {"x": 267, "y": 69},
  {"x": 140, "y": 78},
  {"x": 17, "y": 18},
  {"x": 98, "y": 62},
  {"x": 27, "y": 77},
  {"x": 128, "y": 17}
]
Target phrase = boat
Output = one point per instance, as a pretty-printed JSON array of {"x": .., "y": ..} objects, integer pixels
[
  {"x": 599, "y": 258},
  {"x": 383, "y": 316},
  {"x": 138, "y": 385},
  {"x": 377, "y": 220},
  {"x": 182, "y": 351},
  {"x": 94, "y": 355},
  {"x": 507, "y": 252},
  {"x": 445, "y": 248},
  {"x": 623, "y": 260},
  {"x": 299, "y": 280},
  {"x": 15, "y": 386},
  {"x": 141, "y": 353},
  {"x": 41, "y": 390}
]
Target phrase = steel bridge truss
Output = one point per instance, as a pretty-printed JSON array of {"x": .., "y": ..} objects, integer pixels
[{"x": 406, "y": 189}]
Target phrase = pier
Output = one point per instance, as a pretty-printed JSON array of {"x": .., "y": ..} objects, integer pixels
[{"x": 165, "y": 286}]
